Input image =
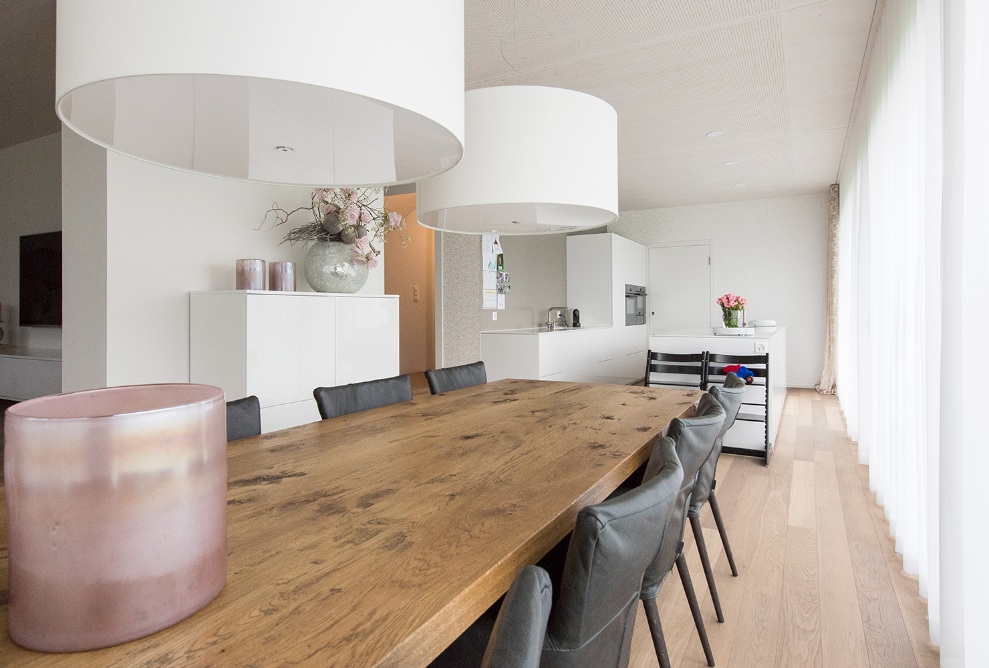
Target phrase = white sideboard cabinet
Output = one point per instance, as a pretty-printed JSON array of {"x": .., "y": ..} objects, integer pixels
[
  {"x": 28, "y": 373},
  {"x": 279, "y": 346}
]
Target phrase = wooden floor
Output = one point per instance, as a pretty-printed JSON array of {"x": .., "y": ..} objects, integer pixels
[{"x": 819, "y": 582}]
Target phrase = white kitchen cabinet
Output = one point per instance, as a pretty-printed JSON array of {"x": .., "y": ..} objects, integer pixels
[
  {"x": 279, "y": 346},
  {"x": 27, "y": 373},
  {"x": 598, "y": 268}
]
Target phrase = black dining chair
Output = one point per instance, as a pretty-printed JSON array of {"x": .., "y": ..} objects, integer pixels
[
  {"x": 520, "y": 628},
  {"x": 243, "y": 418},
  {"x": 755, "y": 406},
  {"x": 356, "y": 397},
  {"x": 730, "y": 397},
  {"x": 676, "y": 369},
  {"x": 694, "y": 439},
  {"x": 453, "y": 378},
  {"x": 613, "y": 542}
]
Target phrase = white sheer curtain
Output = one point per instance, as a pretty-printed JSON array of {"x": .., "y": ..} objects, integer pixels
[
  {"x": 909, "y": 290},
  {"x": 965, "y": 338}
]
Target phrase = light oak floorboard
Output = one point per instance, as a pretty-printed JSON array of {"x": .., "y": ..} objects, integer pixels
[{"x": 820, "y": 583}]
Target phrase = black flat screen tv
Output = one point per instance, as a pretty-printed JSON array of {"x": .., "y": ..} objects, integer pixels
[{"x": 41, "y": 280}]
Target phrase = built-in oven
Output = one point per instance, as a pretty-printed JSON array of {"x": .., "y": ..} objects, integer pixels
[{"x": 635, "y": 305}]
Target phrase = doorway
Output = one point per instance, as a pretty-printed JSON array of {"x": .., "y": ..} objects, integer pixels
[
  {"x": 680, "y": 284},
  {"x": 410, "y": 273}
]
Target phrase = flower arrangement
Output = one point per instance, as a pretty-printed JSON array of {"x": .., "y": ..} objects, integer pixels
[
  {"x": 730, "y": 306},
  {"x": 346, "y": 215}
]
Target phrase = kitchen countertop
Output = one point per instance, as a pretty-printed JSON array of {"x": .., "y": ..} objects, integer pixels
[
  {"x": 707, "y": 332},
  {"x": 542, "y": 330}
]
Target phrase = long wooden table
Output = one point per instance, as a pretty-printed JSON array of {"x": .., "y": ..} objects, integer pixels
[{"x": 374, "y": 539}]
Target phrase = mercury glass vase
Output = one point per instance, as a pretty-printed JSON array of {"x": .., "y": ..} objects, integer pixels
[
  {"x": 250, "y": 275},
  {"x": 329, "y": 267},
  {"x": 116, "y": 503}
]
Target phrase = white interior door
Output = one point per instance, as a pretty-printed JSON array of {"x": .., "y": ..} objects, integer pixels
[{"x": 679, "y": 288}]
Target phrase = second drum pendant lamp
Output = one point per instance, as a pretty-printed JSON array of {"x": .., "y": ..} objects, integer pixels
[
  {"x": 537, "y": 160},
  {"x": 306, "y": 92}
]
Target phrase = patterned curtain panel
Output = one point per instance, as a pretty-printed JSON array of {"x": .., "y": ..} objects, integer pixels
[{"x": 827, "y": 384}]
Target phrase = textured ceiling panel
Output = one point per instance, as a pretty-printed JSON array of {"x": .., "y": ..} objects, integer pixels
[{"x": 765, "y": 71}]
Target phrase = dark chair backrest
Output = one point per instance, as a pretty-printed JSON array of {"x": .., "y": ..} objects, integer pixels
[
  {"x": 730, "y": 397},
  {"x": 453, "y": 378},
  {"x": 716, "y": 362},
  {"x": 678, "y": 369},
  {"x": 612, "y": 543},
  {"x": 694, "y": 437},
  {"x": 344, "y": 399},
  {"x": 243, "y": 418},
  {"x": 518, "y": 634}
]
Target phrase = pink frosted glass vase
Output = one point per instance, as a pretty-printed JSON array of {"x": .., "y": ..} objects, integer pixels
[{"x": 116, "y": 502}]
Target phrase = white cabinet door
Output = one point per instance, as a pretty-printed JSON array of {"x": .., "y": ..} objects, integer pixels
[
  {"x": 289, "y": 346},
  {"x": 367, "y": 339}
]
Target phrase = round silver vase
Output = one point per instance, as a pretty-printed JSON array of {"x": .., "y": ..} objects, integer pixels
[{"x": 329, "y": 267}]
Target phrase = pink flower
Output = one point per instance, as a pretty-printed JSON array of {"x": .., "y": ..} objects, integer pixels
[
  {"x": 729, "y": 301},
  {"x": 395, "y": 221},
  {"x": 365, "y": 216},
  {"x": 351, "y": 214}
]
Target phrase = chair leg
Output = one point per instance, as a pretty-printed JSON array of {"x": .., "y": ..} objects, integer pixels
[
  {"x": 695, "y": 525},
  {"x": 713, "y": 500},
  {"x": 656, "y": 629},
  {"x": 695, "y": 610}
]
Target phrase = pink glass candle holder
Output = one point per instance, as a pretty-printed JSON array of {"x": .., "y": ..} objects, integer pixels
[
  {"x": 281, "y": 276},
  {"x": 116, "y": 503},
  {"x": 250, "y": 274}
]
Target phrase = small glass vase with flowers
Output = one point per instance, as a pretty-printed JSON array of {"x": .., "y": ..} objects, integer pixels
[{"x": 731, "y": 306}]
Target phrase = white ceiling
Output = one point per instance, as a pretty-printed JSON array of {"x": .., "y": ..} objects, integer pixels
[{"x": 780, "y": 76}]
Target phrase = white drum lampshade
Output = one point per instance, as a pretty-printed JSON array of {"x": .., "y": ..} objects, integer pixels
[
  {"x": 537, "y": 160},
  {"x": 306, "y": 92}
]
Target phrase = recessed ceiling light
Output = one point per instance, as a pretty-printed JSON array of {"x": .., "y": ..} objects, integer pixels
[
  {"x": 717, "y": 133},
  {"x": 730, "y": 163},
  {"x": 284, "y": 149}
]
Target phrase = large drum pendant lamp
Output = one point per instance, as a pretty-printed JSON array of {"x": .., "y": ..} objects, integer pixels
[
  {"x": 306, "y": 92},
  {"x": 537, "y": 160}
]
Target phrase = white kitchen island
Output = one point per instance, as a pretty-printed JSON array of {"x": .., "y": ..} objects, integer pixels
[
  {"x": 743, "y": 437},
  {"x": 584, "y": 354}
]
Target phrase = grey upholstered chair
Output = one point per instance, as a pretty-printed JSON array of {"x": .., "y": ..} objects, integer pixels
[
  {"x": 592, "y": 619},
  {"x": 730, "y": 397},
  {"x": 517, "y": 638},
  {"x": 612, "y": 544},
  {"x": 356, "y": 397},
  {"x": 453, "y": 378},
  {"x": 243, "y": 418},
  {"x": 694, "y": 438}
]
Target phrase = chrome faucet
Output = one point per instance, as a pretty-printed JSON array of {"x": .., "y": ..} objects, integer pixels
[{"x": 556, "y": 317}]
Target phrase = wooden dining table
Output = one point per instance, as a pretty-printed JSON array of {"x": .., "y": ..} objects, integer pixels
[{"x": 376, "y": 538}]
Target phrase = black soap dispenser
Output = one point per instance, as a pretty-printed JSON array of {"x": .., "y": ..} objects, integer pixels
[{"x": 575, "y": 317}]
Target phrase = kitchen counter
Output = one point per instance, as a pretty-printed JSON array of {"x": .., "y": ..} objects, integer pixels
[
  {"x": 542, "y": 330},
  {"x": 599, "y": 354},
  {"x": 743, "y": 436},
  {"x": 707, "y": 332}
]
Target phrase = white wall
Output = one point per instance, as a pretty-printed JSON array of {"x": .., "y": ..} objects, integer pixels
[
  {"x": 538, "y": 269},
  {"x": 168, "y": 233},
  {"x": 84, "y": 267},
  {"x": 773, "y": 252},
  {"x": 30, "y": 203}
]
